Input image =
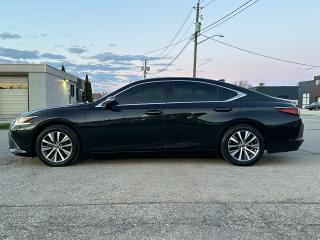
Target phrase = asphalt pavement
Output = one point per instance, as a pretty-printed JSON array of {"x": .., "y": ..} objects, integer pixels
[{"x": 164, "y": 197}]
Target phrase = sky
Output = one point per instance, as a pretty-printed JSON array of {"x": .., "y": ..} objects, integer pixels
[{"x": 108, "y": 39}]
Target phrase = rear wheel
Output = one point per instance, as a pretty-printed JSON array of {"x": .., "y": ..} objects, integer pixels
[
  {"x": 58, "y": 146},
  {"x": 242, "y": 145}
]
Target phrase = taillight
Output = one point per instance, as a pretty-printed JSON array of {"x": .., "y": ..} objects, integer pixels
[{"x": 289, "y": 110}]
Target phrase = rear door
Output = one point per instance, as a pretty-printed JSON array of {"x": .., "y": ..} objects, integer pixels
[{"x": 196, "y": 114}]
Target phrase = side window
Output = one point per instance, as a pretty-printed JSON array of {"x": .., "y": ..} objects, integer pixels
[
  {"x": 144, "y": 93},
  {"x": 225, "y": 94},
  {"x": 71, "y": 90},
  {"x": 191, "y": 92}
]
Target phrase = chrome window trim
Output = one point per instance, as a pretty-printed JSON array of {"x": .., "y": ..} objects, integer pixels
[{"x": 239, "y": 94}]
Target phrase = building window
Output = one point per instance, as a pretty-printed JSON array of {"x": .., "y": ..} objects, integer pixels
[
  {"x": 305, "y": 99},
  {"x": 13, "y": 85},
  {"x": 318, "y": 82},
  {"x": 72, "y": 90}
]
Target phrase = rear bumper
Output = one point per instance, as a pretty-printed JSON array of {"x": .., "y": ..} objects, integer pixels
[
  {"x": 285, "y": 146},
  {"x": 289, "y": 140}
]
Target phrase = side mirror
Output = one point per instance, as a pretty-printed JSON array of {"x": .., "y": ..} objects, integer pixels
[{"x": 110, "y": 101}]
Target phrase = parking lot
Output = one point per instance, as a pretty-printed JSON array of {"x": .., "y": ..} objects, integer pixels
[{"x": 165, "y": 197}]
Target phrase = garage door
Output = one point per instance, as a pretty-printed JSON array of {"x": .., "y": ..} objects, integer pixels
[{"x": 13, "y": 96}]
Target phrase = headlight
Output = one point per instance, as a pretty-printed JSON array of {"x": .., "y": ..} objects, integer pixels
[{"x": 22, "y": 121}]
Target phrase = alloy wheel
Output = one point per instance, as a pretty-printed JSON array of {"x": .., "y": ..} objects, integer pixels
[
  {"x": 243, "y": 145},
  {"x": 56, "y": 146}
]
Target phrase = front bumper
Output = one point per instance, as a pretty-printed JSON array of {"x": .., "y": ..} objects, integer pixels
[{"x": 14, "y": 147}]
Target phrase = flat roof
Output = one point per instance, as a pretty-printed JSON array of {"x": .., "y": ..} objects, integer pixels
[{"x": 36, "y": 68}]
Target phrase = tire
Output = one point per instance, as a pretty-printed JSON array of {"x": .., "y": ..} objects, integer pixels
[
  {"x": 58, "y": 146},
  {"x": 250, "y": 148}
]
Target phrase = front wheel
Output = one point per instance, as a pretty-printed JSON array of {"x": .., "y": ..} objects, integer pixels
[
  {"x": 242, "y": 145},
  {"x": 57, "y": 146}
]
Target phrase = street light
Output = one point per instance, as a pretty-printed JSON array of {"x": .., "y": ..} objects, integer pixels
[{"x": 207, "y": 38}]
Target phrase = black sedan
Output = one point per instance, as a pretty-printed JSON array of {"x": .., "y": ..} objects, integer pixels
[
  {"x": 164, "y": 114},
  {"x": 313, "y": 106}
]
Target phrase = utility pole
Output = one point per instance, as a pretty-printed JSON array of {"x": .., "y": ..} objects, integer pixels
[
  {"x": 145, "y": 69},
  {"x": 196, "y": 35}
]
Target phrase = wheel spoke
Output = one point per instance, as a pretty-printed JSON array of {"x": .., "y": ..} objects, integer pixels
[
  {"x": 50, "y": 135},
  {"x": 234, "y": 139},
  {"x": 66, "y": 151},
  {"x": 58, "y": 137},
  {"x": 64, "y": 139},
  {"x": 252, "y": 139},
  {"x": 235, "y": 152},
  {"x": 246, "y": 154},
  {"x": 49, "y": 143},
  {"x": 55, "y": 156},
  {"x": 46, "y": 148},
  {"x": 250, "y": 150},
  {"x": 240, "y": 154},
  {"x": 67, "y": 145},
  {"x": 240, "y": 137},
  {"x": 49, "y": 154},
  {"x": 247, "y": 135},
  {"x": 234, "y": 146},
  {"x": 62, "y": 158}
]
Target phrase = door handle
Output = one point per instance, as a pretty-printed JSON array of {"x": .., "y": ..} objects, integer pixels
[
  {"x": 222, "y": 109},
  {"x": 153, "y": 112}
]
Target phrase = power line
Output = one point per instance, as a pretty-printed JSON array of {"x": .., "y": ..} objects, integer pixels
[
  {"x": 227, "y": 15},
  {"x": 159, "y": 49},
  {"x": 182, "y": 36},
  {"x": 219, "y": 22},
  {"x": 177, "y": 33},
  {"x": 260, "y": 54},
  {"x": 208, "y": 3},
  {"x": 175, "y": 58}
]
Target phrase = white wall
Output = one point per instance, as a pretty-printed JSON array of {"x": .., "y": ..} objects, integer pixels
[
  {"x": 37, "y": 91},
  {"x": 57, "y": 91}
]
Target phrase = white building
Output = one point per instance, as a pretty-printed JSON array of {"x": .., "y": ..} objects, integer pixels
[{"x": 25, "y": 87}]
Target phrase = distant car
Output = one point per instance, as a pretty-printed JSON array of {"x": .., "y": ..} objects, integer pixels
[
  {"x": 163, "y": 114},
  {"x": 313, "y": 106}
]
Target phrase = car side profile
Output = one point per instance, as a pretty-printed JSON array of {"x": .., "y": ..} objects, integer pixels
[
  {"x": 163, "y": 114},
  {"x": 313, "y": 106}
]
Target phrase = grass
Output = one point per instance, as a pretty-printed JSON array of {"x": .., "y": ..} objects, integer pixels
[{"x": 4, "y": 125}]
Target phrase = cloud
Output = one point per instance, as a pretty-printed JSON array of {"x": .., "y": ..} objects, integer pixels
[
  {"x": 77, "y": 50},
  {"x": 8, "y": 61},
  {"x": 112, "y": 45},
  {"x": 37, "y": 35},
  {"x": 108, "y": 56},
  {"x": 18, "y": 54},
  {"x": 98, "y": 68},
  {"x": 52, "y": 56},
  {"x": 6, "y": 35}
]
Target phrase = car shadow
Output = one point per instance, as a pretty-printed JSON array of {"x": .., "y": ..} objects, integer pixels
[{"x": 152, "y": 157}]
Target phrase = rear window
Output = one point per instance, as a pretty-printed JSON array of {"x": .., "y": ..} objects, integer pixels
[
  {"x": 225, "y": 94},
  {"x": 192, "y": 92}
]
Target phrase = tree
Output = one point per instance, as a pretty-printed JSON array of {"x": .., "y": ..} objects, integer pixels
[
  {"x": 87, "y": 96},
  {"x": 63, "y": 68},
  {"x": 243, "y": 83}
]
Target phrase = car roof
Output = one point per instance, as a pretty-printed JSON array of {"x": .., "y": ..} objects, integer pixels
[
  {"x": 217, "y": 82},
  {"x": 248, "y": 92}
]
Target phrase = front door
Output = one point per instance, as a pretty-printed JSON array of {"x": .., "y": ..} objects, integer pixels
[{"x": 135, "y": 123}]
